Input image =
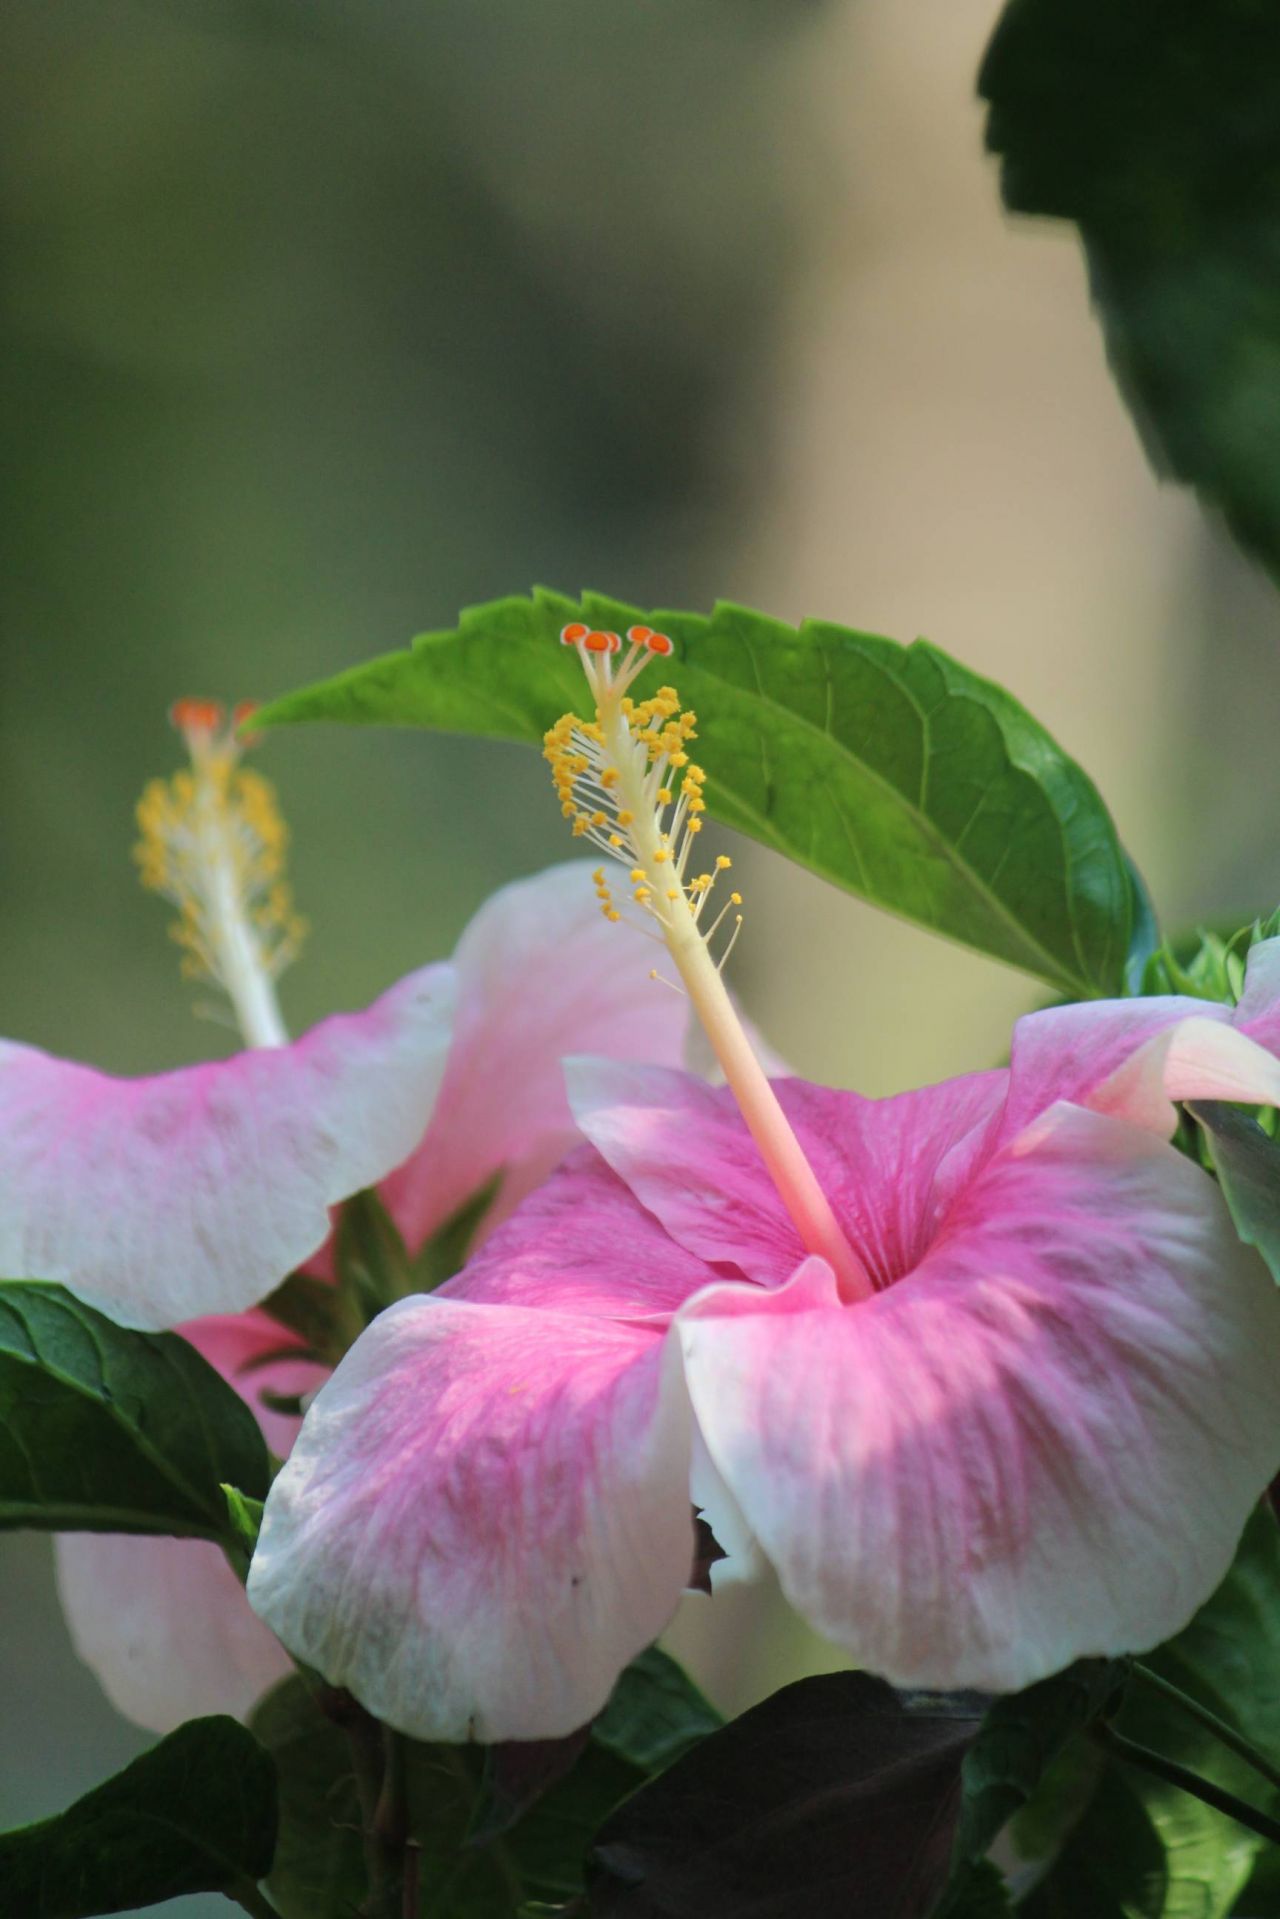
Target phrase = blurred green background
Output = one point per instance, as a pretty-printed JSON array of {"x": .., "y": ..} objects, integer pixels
[{"x": 321, "y": 321}]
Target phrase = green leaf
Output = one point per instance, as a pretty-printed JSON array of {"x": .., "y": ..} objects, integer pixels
[
  {"x": 979, "y": 1893},
  {"x": 1247, "y": 1162},
  {"x": 1021, "y": 1737},
  {"x": 891, "y": 770},
  {"x": 655, "y": 1714},
  {"x": 197, "y": 1813},
  {"x": 245, "y": 1516},
  {"x": 1155, "y": 126},
  {"x": 1144, "y": 1849},
  {"x": 445, "y": 1253},
  {"x": 107, "y": 1430},
  {"x": 485, "y": 1853}
]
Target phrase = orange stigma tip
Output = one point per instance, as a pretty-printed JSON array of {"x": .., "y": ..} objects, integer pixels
[
  {"x": 639, "y": 635},
  {"x": 573, "y": 633},
  {"x": 600, "y": 642},
  {"x": 197, "y": 716},
  {"x": 658, "y": 643}
]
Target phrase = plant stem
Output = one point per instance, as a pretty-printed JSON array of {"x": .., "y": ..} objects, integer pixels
[
  {"x": 377, "y": 1760},
  {"x": 1211, "y": 1722},
  {"x": 1141, "y": 1757}
]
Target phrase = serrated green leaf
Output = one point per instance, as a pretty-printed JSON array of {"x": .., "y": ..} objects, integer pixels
[
  {"x": 1145, "y": 1849},
  {"x": 891, "y": 770},
  {"x": 107, "y": 1430},
  {"x": 1155, "y": 126},
  {"x": 197, "y": 1813},
  {"x": 1247, "y": 1162}
]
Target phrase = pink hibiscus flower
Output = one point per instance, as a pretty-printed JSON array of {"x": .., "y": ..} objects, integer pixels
[
  {"x": 197, "y": 1192},
  {"x": 983, "y": 1372},
  {"x": 164, "y": 1623}
]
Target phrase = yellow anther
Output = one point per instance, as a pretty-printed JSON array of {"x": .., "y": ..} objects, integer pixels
[
  {"x": 212, "y": 840},
  {"x": 663, "y": 853},
  {"x": 723, "y": 862},
  {"x": 735, "y": 899},
  {"x": 638, "y": 873}
]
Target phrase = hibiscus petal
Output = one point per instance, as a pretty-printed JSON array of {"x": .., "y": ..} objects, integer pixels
[
  {"x": 485, "y": 1517},
  {"x": 198, "y": 1191},
  {"x": 887, "y": 1166},
  {"x": 1258, "y": 1013},
  {"x": 580, "y": 1244},
  {"x": 541, "y": 973},
  {"x": 1042, "y": 1443},
  {"x": 165, "y": 1626},
  {"x": 1134, "y": 1058}
]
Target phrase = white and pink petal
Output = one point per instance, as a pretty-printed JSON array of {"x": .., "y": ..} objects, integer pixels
[
  {"x": 194, "y": 1192},
  {"x": 1042, "y": 1443},
  {"x": 889, "y": 1167},
  {"x": 165, "y": 1626},
  {"x": 541, "y": 974},
  {"x": 485, "y": 1517}
]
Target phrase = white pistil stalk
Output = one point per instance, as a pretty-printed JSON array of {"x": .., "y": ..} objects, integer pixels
[
  {"x": 213, "y": 842},
  {"x": 236, "y": 949},
  {"x": 616, "y": 780}
]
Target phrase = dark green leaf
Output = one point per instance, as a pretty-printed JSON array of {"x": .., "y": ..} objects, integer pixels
[
  {"x": 107, "y": 1430},
  {"x": 1155, "y": 126},
  {"x": 445, "y": 1253},
  {"x": 195, "y": 1814},
  {"x": 655, "y": 1715},
  {"x": 1021, "y": 1736},
  {"x": 1144, "y": 1849},
  {"x": 318, "y": 1871},
  {"x": 373, "y": 1265},
  {"x": 979, "y": 1892},
  {"x": 1248, "y": 1167},
  {"x": 496, "y": 1830},
  {"x": 836, "y": 1795},
  {"x": 891, "y": 770}
]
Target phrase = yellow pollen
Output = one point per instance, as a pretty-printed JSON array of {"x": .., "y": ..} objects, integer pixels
[
  {"x": 622, "y": 763},
  {"x": 212, "y": 840}
]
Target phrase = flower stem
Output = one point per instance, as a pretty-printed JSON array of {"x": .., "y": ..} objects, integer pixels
[
  {"x": 1155, "y": 1763},
  {"x": 1220, "y": 1729}
]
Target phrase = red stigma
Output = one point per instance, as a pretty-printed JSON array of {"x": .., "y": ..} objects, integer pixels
[
  {"x": 600, "y": 642},
  {"x": 571, "y": 635},
  {"x": 639, "y": 635},
  {"x": 197, "y": 716},
  {"x": 657, "y": 642}
]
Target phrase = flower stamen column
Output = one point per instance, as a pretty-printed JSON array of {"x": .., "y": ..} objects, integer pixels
[{"x": 626, "y": 782}]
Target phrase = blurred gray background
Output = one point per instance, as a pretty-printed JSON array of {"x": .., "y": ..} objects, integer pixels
[{"x": 322, "y": 320}]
